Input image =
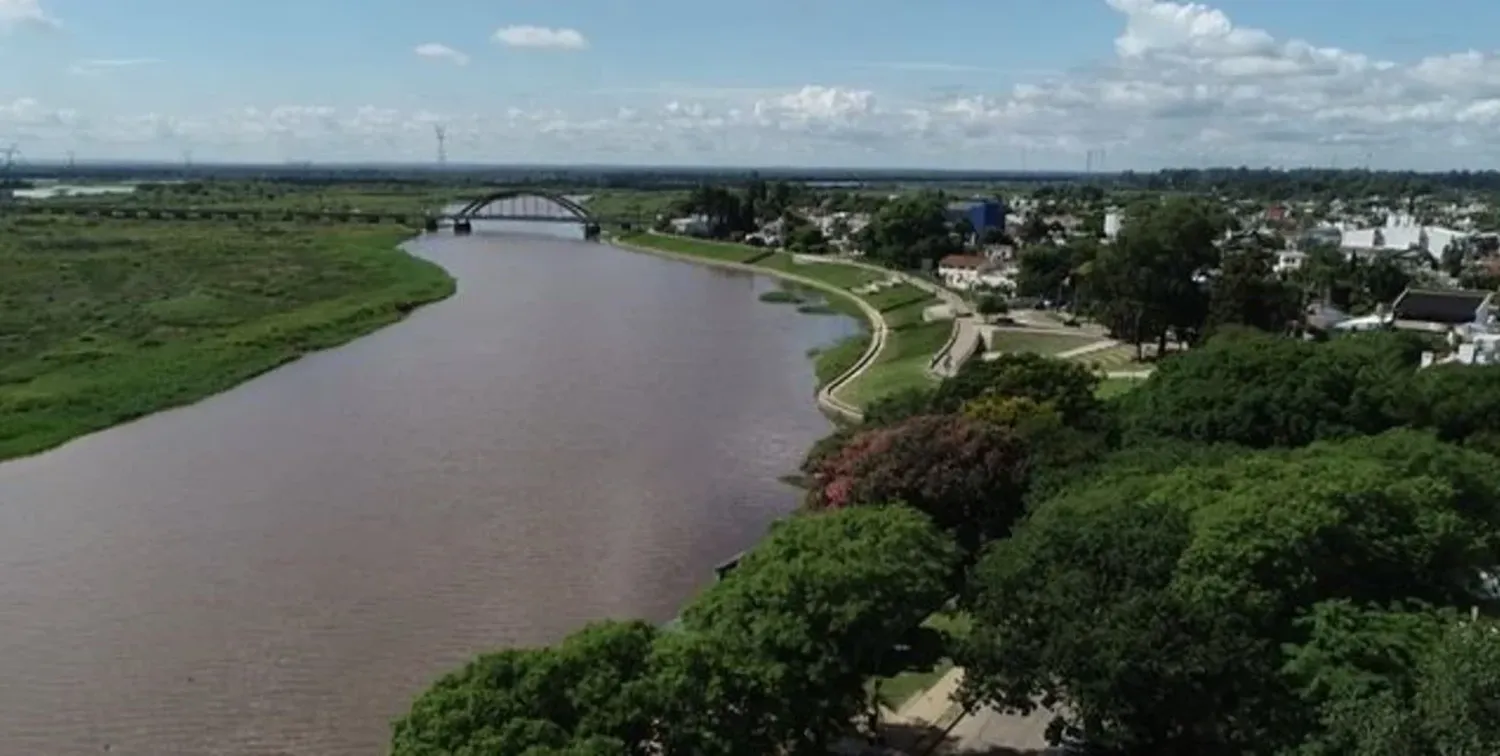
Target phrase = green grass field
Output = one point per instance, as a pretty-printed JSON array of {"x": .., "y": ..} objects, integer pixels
[
  {"x": 102, "y": 322},
  {"x": 901, "y": 365},
  {"x": 1110, "y": 387}
]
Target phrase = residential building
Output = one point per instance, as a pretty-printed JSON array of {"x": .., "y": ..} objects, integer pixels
[
  {"x": 964, "y": 272},
  {"x": 1461, "y": 311},
  {"x": 1288, "y": 260}
]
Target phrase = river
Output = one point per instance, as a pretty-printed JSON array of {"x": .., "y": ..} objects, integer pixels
[{"x": 579, "y": 433}]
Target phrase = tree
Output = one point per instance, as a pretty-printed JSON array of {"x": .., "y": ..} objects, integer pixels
[
  {"x": 809, "y": 616},
  {"x": 1247, "y": 292},
  {"x": 1147, "y": 282},
  {"x": 1461, "y": 403},
  {"x": 809, "y": 239},
  {"x": 969, "y": 476},
  {"x": 909, "y": 231},
  {"x": 897, "y": 406},
  {"x": 1257, "y": 390},
  {"x": 1403, "y": 682},
  {"x": 1034, "y": 230},
  {"x": 593, "y": 693},
  {"x": 1067, "y": 386},
  {"x": 1163, "y": 613}
]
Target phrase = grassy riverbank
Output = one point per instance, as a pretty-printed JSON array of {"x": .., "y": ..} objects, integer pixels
[
  {"x": 910, "y": 343},
  {"x": 103, "y": 322}
]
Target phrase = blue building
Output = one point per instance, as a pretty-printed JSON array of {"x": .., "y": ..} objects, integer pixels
[{"x": 982, "y": 214}]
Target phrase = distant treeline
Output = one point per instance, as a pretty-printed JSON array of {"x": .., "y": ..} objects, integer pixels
[{"x": 1261, "y": 182}]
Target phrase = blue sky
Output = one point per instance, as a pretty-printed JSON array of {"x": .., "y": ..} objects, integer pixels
[{"x": 941, "y": 83}]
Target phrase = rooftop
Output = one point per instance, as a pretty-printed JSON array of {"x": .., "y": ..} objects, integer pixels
[{"x": 1452, "y": 307}]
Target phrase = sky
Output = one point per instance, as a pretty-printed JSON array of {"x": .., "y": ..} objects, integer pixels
[{"x": 962, "y": 84}]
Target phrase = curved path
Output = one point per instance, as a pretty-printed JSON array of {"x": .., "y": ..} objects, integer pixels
[
  {"x": 963, "y": 344},
  {"x": 879, "y": 328}
]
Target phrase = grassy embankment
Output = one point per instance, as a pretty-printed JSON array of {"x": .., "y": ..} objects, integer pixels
[
  {"x": 910, "y": 343},
  {"x": 103, "y": 322}
]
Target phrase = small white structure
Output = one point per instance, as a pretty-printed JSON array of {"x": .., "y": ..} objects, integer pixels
[
  {"x": 1289, "y": 260},
  {"x": 693, "y": 225},
  {"x": 1113, "y": 222}
]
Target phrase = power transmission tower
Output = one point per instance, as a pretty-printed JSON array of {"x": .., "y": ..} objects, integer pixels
[
  {"x": 442, "y": 144},
  {"x": 6, "y": 182},
  {"x": 72, "y": 162}
]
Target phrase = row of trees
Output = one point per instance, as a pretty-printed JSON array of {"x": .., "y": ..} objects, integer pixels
[{"x": 1271, "y": 546}]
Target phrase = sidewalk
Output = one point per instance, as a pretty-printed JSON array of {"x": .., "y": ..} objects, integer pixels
[{"x": 981, "y": 731}]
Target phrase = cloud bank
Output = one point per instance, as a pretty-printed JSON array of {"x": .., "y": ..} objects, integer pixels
[{"x": 1181, "y": 85}]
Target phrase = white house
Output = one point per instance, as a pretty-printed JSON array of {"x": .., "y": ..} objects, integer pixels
[
  {"x": 964, "y": 272},
  {"x": 693, "y": 225},
  {"x": 1113, "y": 222},
  {"x": 1289, "y": 260}
]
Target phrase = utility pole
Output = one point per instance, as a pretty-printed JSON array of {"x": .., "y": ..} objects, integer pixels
[
  {"x": 7, "y": 191},
  {"x": 442, "y": 144}
]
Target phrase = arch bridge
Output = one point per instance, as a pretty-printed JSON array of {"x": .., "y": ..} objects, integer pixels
[{"x": 523, "y": 205}]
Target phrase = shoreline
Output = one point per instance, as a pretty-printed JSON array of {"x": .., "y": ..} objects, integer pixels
[{"x": 880, "y": 327}]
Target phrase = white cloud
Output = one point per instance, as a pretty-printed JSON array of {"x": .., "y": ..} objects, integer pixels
[
  {"x": 541, "y": 37},
  {"x": 1182, "y": 85},
  {"x": 18, "y": 13},
  {"x": 438, "y": 51},
  {"x": 98, "y": 66}
]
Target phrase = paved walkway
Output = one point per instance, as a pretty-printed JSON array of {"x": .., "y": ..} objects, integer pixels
[
  {"x": 982, "y": 731},
  {"x": 1097, "y": 346}
]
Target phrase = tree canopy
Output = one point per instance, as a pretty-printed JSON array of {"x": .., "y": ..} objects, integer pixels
[
  {"x": 969, "y": 476},
  {"x": 910, "y": 231},
  {"x": 1164, "y": 608}
]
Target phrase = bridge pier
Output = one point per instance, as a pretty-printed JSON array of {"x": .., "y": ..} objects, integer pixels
[
  {"x": 462, "y": 227},
  {"x": 591, "y": 231},
  {"x": 430, "y": 225}
]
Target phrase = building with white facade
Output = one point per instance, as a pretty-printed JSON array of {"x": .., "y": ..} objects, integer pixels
[
  {"x": 1401, "y": 232},
  {"x": 965, "y": 272}
]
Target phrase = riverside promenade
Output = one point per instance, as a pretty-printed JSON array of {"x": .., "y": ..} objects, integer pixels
[{"x": 946, "y": 361}]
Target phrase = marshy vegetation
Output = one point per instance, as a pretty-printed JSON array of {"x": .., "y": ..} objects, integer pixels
[{"x": 103, "y": 322}]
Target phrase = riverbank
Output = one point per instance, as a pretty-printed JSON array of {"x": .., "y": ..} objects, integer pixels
[
  {"x": 896, "y": 352},
  {"x": 106, "y": 322}
]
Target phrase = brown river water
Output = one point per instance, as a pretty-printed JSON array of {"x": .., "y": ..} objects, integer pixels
[{"x": 580, "y": 433}]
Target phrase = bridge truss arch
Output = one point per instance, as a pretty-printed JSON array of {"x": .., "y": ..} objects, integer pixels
[{"x": 543, "y": 200}]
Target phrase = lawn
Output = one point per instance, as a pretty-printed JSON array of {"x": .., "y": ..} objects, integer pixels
[
  {"x": 901, "y": 365},
  {"x": 102, "y": 322}
]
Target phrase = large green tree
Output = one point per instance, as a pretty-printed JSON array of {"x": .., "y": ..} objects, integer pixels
[
  {"x": 968, "y": 475},
  {"x": 1162, "y": 613},
  {"x": 910, "y": 231},
  {"x": 1246, "y": 291},
  {"x": 1067, "y": 387},
  {"x": 594, "y": 693},
  {"x": 1149, "y": 281},
  {"x": 1259, "y": 390},
  {"x": 807, "y": 618}
]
